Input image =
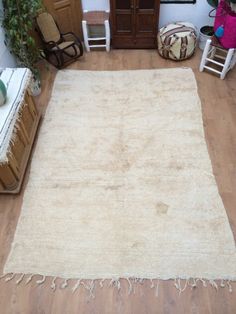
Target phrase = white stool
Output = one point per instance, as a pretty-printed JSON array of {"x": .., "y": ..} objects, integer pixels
[
  {"x": 214, "y": 53},
  {"x": 91, "y": 18}
]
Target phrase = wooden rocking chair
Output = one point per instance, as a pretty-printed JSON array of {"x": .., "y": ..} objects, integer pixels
[{"x": 59, "y": 49}]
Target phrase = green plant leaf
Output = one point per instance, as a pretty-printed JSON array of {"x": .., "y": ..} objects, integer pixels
[
  {"x": 18, "y": 23},
  {"x": 213, "y": 3}
]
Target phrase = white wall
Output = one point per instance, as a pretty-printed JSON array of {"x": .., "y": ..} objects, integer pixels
[
  {"x": 96, "y": 5},
  {"x": 195, "y": 13},
  {"x": 6, "y": 59}
]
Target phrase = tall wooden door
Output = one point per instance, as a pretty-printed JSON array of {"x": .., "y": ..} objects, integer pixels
[
  {"x": 134, "y": 23},
  {"x": 68, "y": 14}
]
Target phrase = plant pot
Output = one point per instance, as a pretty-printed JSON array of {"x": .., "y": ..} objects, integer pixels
[
  {"x": 206, "y": 32},
  {"x": 35, "y": 87}
]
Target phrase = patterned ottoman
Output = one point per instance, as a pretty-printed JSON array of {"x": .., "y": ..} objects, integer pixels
[{"x": 177, "y": 41}]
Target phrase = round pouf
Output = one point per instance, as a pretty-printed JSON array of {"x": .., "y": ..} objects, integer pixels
[
  {"x": 3, "y": 93},
  {"x": 177, "y": 41}
]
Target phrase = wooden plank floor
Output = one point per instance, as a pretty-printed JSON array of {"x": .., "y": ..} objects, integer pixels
[{"x": 219, "y": 116}]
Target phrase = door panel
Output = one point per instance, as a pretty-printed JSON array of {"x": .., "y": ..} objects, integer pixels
[
  {"x": 124, "y": 23},
  {"x": 146, "y": 18},
  {"x": 134, "y": 23},
  {"x": 123, "y": 4},
  {"x": 145, "y": 24},
  {"x": 64, "y": 19},
  {"x": 146, "y": 4},
  {"x": 68, "y": 14},
  {"x": 123, "y": 17}
]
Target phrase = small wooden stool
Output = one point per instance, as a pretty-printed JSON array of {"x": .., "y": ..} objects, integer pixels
[
  {"x": 91, "y": 18},
  {"x": 213, "y": 54}
]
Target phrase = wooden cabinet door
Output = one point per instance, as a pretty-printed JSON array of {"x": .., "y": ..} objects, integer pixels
[
  {"x": 68, "y": 14},
  {"x": 123, "y": 17},
  {"x": 134, "y": 23},
  {"x": 123, "y": 21},
  {"x": 146, "y": 19}
]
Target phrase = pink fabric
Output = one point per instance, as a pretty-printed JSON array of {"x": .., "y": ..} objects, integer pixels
[{"x": 227, "y": 18}]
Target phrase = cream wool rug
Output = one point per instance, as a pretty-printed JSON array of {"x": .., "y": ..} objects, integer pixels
[{"x": 121, "y": 183}]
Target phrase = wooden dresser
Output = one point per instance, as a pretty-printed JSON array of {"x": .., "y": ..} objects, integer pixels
[
  {"x": 134, "y": 23},
  {"x": 14, "y": 159}
]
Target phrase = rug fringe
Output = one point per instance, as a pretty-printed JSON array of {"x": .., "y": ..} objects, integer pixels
[
  {"x": 53, "y": 284},
  {"x": 29, "y": 279},
  {"x": 65, "y": 284},
  {"x": 39, "y": 282},
  {"x": 20, "y": 279},
  {"x": 11, "y": 276},
  {"x": 76, "y": 286},
  {"x": 90, "y": 285}
]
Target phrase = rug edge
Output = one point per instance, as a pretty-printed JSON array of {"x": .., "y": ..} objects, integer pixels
[{"x": 181, "y": 284}]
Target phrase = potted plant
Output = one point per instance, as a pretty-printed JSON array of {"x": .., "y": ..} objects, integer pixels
[
  {"x": 207, "y": 31},
  {"x": 18, "y": 22}
]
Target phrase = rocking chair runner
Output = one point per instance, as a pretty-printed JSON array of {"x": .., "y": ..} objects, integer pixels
[{"x": 56, "y": 43}]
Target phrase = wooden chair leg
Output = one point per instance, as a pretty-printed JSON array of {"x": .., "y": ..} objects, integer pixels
[
  {"x": 205, "y": 54},
  {"x": 108, "y": 35},
  {"x": 85, "y": 33},
  {"x": 60, "y": 59},
  {"x": 227, "y": 64},
  {"x": 81, "y": 49},
  {"x": 233, "y": 62}
]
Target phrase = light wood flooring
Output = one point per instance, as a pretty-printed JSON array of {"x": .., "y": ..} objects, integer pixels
[{"x": 219, "y": 116}]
